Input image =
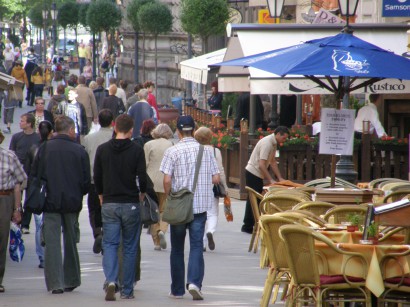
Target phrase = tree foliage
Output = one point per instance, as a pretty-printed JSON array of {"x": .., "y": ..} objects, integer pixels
[
  {"x": 103, "y": 15},
  {"x": 132, "y": 12},
  {"x": 155, "y": 18},
  {"x": 35, "y": 15},
  {"x": 204, "y": 17},
  {"x": 68, "y": 15},
  {"x": 82, "y": 14}
]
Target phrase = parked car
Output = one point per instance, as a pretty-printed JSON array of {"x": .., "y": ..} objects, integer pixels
[{"x": 70, "y": 47}]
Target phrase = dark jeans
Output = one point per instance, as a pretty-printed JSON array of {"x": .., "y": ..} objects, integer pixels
[
  {"x": 255, "y": 183},
  {"x": 37, "y": 92},
  {"x": 30, "y": 93},
  {"x": 94, "y": 211},
  {"x": 196, "y": 264}
]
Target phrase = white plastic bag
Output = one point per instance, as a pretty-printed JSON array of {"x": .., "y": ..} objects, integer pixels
[
  {"x": 94, "y": 128},
  {"x": 16, "y": 246}
]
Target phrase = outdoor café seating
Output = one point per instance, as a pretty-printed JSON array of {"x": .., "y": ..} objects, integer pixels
[
  {"x": 340, "y": 213},
  {"x": 278, "y": 271},
  {"x": 313, "y": 280},
  {"x": 317, "y": 207},
  {"x": 254, "y": 198}
]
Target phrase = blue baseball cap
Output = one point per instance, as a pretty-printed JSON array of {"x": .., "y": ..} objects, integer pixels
[{"x": 185, "y": 123}]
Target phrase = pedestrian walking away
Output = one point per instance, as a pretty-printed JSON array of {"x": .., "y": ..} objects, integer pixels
[
  {"x": 178, "y": 166},
  {"x": 117, "y": 164},
  {"x": 63, "y": 204}
]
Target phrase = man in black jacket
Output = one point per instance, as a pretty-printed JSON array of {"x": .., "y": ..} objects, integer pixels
[
  {"x": 67, "y": 173},
  {"x": 118, "y": 163}
]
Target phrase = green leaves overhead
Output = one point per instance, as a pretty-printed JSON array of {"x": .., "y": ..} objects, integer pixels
[
  {"x": 68, "y": 15},
  {"x": 204, "y": 17},
  {"x": 103, "y": 15},
  {"x": 155, "y": 18},
  {"x": 132, "y": 12}
]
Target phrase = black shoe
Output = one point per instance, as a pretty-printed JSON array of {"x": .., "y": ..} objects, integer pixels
[
  {"x": 41, "y": 265},
  {"x": 246, "y": 229},
  {"x": 57, "y": 291},
  {"x": 97, "y": 244},
  {"x": 2, "y": 290},
  {"x": 211, "y": 242},
  {"x": 69, "y": 289}
]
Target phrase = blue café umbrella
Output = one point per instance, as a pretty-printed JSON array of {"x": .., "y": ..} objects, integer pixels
[{"x": 342, "y": 55}]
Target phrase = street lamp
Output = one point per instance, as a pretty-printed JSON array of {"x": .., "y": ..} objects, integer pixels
[
  {"x": 345, "y": 166},
  {"x": 44, "y": 15},
  {"x": 54, "y": 18},
  {"x": 275, "y": 8},
  {"x": 275, "y": 11}
]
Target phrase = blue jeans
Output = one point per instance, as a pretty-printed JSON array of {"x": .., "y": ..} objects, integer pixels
[
  {"x": 38, "y": 218},
  {"x": 196, "y": 265},
  {"x": 120, "y": 222}
]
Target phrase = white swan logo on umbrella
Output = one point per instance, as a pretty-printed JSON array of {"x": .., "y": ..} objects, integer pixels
[{"x": 342, "y": 57}]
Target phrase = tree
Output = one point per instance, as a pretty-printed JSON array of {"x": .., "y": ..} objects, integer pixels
[
  {"x": 132, "y": 16},
  {"x": 68, "y": 18},
  {"x": 155, "y": 18},
  {"x": 204, "y": 18},
  {"x": 82, "y": 14},
  {"x": 103, "y": 15}
]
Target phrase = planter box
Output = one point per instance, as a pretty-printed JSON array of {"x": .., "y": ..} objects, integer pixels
[{"x": 167, "y": 115}]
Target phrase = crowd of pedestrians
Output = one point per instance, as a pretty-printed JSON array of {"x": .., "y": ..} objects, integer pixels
[{"x": 130, "y": 154}]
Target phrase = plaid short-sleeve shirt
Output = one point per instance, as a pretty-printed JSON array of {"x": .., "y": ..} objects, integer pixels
[
  {"x": 179, "y": 162},
  {"x": 11, "y": 170}
]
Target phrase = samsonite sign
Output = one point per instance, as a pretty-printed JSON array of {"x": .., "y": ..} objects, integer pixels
[{"x": 396, "y": 8}]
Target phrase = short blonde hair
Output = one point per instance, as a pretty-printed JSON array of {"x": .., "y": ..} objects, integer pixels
[
  {"x": 203, "y": 135},
  {"x": 93, "y": 85},
  {"x": 162, "y": 131}
]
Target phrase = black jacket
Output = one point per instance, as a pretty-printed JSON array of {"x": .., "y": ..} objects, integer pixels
[
  {"x": 67, "y": 173},
  {"x": 47, "y": 116},
  {"x": 116, "y": 167}
]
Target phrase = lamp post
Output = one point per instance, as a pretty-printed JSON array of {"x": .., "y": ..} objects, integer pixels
[
  {"x": 45, "y": 15},
  {"x": 345, "y": 166},
  {"x": 275, "y": 10},
  {"x": 54, "y": 13}
]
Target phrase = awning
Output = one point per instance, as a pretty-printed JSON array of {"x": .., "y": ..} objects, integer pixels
[
  {"x": 254, "y": 39},
  {"x": 196, "y": 69}
]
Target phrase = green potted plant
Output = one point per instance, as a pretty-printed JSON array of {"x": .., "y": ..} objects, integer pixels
[
  {"x": 373, "y": 232},
  {"x": 354, "y": 219}
]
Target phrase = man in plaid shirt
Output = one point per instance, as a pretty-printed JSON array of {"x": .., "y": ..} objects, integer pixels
[{"x": 178, "y": 166}]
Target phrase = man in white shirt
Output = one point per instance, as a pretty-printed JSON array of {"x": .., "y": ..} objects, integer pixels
[{"x": 369, "y": 113}]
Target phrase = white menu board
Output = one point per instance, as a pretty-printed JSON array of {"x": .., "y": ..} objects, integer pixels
[{"x": 337, "y": 132}]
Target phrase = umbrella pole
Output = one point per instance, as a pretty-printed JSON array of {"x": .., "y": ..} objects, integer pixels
[{"x": 333, "y": 172}]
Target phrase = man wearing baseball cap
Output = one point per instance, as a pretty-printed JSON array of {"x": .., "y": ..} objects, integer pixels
[{"x": 178, "y": 166}]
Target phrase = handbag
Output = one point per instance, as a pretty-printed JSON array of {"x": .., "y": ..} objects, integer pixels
[
  {"x": 36, "y": 192},
  {"x": 179, "y": 206},
  {"x": 149, "y": 211},
  {"x": 218, "y": 189}
]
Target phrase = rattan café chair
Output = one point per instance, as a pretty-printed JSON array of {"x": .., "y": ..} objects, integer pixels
[
  {"x": 278, "y": 273},
  {"x": 316, "y": 207},
  {"x": 309, "y": 284},
  {"x": 340, "y": 213},
  {"x": 397, "y": 288},
  {"x": 254, "y": 198}
]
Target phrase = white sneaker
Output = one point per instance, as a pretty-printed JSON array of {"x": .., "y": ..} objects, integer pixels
[
  {"x": 162, "y": 240},
  {"x": 195, "y": 292},
  {"x": 110, "y": 292},
  {"x": 177, "y": 297}
]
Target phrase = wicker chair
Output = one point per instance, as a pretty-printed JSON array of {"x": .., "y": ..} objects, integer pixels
[
  {"x": 267, "y": 206},
  {"x": 285, "y": 202},
  {"x": 309, "y": 283},
  {"x": 397, "y": 195},
  {"x": 302, "y": 218},
  {"x": 397, "y": 288},
  {"x": 293, "y": 192},
  {"x": 340, "y": 213},
  {"x": 392, "y": 230},
  {"x": 316, "y": 207},
  {"x": 278, "y": 273},
  {"x": 374, "y": 184},
  {"x": 254, "y": 198}
]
